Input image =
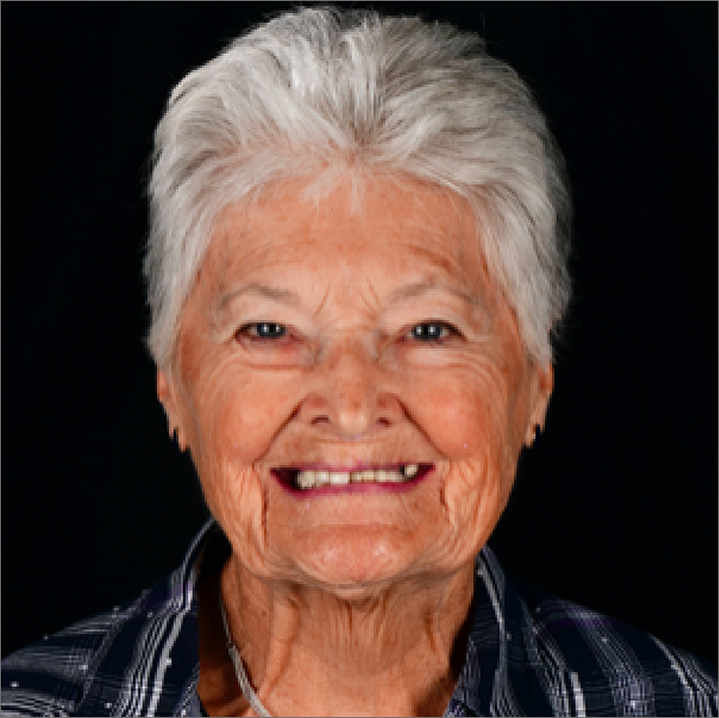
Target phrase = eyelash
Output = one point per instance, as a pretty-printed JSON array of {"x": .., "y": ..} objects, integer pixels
[
  {"x": 254, "y": 329},
  {"x": 429, "y": 332},
  {"x": 438, "y": 332}
]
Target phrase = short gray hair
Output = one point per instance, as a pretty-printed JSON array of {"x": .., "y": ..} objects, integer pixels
[{"x": 318, "y": 88}]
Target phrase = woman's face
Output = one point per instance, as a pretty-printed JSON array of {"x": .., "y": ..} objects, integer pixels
[{"x": 365, "y": 342}]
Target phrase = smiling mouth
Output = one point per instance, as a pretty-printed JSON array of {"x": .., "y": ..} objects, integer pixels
[{"x": 307, "y": 479}]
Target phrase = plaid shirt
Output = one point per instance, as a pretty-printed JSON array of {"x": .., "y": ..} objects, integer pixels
[{"x": 527, "y": 654}]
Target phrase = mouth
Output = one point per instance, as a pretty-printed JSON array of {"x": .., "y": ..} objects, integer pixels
[{"x": 308, "y": 479}]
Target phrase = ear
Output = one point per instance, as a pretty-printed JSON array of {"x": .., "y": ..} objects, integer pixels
[
  {"x": 167, "y": 394},
  {"x": 542, "y": 387}
]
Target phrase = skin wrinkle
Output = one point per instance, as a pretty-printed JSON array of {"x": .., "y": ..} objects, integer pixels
[
  {"x": 373, "y": 305},
  {"x": 391, "y": 574},
  {"x": 322, "y": 303}
]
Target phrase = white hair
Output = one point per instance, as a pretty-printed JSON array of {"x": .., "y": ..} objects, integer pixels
[{"x": 318, "y": 89}]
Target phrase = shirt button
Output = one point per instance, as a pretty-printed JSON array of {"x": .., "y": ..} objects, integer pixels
[
  {"x": 14, "y": 684},
  {"x": 108, "y": 705},
  {"x": 169, "y": 661}
]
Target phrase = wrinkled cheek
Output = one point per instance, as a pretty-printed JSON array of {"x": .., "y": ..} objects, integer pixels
[
  {"x": 475, "y": 495},
  {"x": 236, "y": 499},
  {"x": 230, "y": 483}
]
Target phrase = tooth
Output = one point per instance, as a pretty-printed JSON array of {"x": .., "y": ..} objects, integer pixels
[
  {"x": 306, "y": 479},
  {"x": 313, "y": 479},
  {"x": 339, "y": 478}
]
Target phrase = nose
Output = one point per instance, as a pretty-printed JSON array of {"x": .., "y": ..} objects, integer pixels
[{"x": 350, "y": 395}]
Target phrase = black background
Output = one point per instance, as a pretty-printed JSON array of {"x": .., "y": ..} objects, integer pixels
[{"x": 617, "y": 506}]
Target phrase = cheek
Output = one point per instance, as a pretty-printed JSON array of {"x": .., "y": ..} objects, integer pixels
[
  {"x": 464, "y": 413},
  {"x": 235, "y": 418},
  {"x": 237, "y": 415},
  {"x": 470, "y": 417}
]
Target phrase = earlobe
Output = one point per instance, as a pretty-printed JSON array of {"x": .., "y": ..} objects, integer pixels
[
  {"x": 166, "y": 395},
  {"x": 543, "y": 387}
]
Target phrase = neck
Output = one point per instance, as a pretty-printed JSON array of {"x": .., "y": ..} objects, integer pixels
[{"x": 388, "y": 651}]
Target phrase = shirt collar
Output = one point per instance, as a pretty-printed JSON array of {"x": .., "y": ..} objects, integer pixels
[{"x": 486, "y": 642}]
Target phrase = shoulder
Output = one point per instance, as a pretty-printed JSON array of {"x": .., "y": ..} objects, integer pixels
[
  {"x": 610, "y": 666},
  {"x": 532, "y": 653},
  {"x": 50, "y": 677},
  {"x": 137, "y": 659},
  {"x": 140, "y": 659}
]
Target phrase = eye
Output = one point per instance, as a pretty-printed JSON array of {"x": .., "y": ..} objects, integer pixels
[
  {"x": 272, "y": 345},
  {"x": 432, "y": 332},
  {"x": 263, "y": 330}
]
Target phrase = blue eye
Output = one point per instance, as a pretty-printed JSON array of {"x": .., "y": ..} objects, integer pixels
[
  {"x": 270, "y": 344},
  {"x": 264, "y": 330},
  {"x": 431, "y": 331}
]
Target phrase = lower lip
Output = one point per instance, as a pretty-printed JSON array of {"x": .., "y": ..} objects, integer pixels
[{"x": 359, "y": 487}]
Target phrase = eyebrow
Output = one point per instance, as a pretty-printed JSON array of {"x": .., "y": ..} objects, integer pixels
[
  {"x": 416, "y": 289},
  {"x": 401, "y": 294},
  {"x": 284, "y": 296}
]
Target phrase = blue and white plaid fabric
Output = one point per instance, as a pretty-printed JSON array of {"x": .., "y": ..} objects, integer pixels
[{"x": 527, "y": 654}]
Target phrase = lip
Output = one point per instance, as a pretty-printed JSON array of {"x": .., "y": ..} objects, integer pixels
[{"x": 285, "y": 478}]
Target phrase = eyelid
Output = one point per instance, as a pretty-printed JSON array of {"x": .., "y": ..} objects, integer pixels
[{"x": 444, "y": 323}]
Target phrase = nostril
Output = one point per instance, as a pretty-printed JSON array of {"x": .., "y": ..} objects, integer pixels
[
  {"x": 319, "y": 420},
  {"x": 351, "y": 402}
]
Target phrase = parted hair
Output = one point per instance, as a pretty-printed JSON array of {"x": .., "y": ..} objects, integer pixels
[{"x": 317, "y": 90}]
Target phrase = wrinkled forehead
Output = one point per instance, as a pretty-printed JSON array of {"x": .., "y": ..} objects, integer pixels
[{"x": 401, "y": 224}]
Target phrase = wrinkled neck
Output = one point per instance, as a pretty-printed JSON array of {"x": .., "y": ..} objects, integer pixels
[{"x": 393, "y": 649}]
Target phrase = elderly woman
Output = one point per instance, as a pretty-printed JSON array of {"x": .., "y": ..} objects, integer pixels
[{"x": 356, "y": 266}]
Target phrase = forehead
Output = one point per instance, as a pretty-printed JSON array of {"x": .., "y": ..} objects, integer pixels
[{"x": 384, "y": 226}]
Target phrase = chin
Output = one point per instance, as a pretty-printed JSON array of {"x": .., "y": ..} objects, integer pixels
[{"x": 350, "y": 561}]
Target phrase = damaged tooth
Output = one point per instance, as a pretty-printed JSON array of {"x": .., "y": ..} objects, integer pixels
[
  {"x": 411, "y": 470},
  {"x": 306, "y": 479}
]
